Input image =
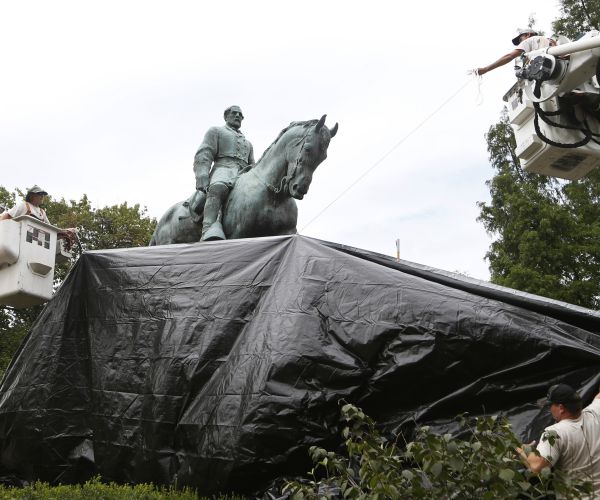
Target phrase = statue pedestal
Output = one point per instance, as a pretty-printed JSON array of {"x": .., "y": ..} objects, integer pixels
[{"x": 28, "y": 252}]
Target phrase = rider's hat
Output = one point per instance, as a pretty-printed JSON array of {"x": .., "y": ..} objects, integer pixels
[{"x": 523, "y": 31}]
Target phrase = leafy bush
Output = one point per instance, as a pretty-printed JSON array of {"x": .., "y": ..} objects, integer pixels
[
  {"x": 485, "y": 465},
  {"x": 96, "y": 490}
]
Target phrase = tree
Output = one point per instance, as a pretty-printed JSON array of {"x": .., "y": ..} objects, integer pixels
[
  {"x": 117, "y": 226},
  {"x": 547, "y": 232},
  {"x": 577, "y": 17}
]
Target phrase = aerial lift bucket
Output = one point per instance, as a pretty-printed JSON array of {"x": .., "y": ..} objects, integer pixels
[
  {"x": 554, "y": 109},
  {"x": 29, "y": 251}
]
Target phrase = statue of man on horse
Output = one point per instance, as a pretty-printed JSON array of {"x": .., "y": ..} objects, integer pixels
[
  {"x": 229, "y": 153},
  {"x": 255, "y": 200}
]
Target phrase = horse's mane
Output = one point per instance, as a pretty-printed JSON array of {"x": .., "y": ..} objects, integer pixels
[{"x": 306, "y": 124}]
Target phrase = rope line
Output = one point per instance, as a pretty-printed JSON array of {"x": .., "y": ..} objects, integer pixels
[
  {"x": 478, "y": 79},
  {"x": 394, "y": 147}
]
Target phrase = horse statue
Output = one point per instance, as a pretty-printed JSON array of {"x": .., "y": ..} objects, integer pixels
[{"x": 263, "y": 199}]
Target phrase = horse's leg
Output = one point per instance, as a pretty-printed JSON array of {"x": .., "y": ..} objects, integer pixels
[{"x": 286, "y": 219}]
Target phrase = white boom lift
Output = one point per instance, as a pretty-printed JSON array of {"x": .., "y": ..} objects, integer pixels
[
  {"x": 29, "y": 251},
  {"x": 554, "y": 108}
]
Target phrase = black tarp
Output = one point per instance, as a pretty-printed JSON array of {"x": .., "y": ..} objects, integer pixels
[{"x": 217, "y": 365}]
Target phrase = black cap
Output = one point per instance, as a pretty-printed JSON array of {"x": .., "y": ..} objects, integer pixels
[{"x": 561, "y": 394}]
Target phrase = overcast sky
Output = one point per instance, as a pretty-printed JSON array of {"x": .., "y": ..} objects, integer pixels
[{"x": 112, "y": 99}]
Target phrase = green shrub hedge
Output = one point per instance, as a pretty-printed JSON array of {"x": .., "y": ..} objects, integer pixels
[{"x": 96, "y": 490}]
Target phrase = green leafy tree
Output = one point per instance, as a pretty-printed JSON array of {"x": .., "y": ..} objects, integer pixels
[
  {"x": 547, "y": 231},
  {"x": 577, "y": 17},
  {"x": 117, "y": 226},
  {"x": 433, "y": 466}
]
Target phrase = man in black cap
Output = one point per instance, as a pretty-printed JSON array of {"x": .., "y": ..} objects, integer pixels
[
  {"x": 526, "y": 40},
  {"x": 572, "y": 444}
]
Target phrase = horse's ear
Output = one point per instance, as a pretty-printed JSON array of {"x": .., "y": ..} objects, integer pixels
[
  {"x": 319, "y": 125},
  {"x": 333, "y": 131}
]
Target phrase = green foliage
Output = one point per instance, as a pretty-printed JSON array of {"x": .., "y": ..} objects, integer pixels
[
  {"x": 577, "y": 17},
  {"x": 117, "y": 226},
  {"x": 433, "y": 466},
  {"x": 11, "y": 337},
  {"x": 96, "y": 490},
  {"x": 547, "y": 231}
]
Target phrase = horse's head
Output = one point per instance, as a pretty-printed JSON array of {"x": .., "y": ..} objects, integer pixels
[{"x": 306, "y": 155}]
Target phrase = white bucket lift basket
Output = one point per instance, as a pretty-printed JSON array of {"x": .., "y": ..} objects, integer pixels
[
  {"x": 29, "y": 250},
  {"x": 534, "y": 146},
  {"x": 555, "y": 134}
]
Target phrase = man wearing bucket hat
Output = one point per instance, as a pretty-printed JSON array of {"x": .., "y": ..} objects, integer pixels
[
  {"x": 526, "y": 40},
  {"x": 30, "y": 206},
  {"x": 572, "y": 444}
]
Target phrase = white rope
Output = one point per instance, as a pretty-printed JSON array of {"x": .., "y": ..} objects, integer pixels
[
  {"x": 478, "y": 78},
  {"x": 394, "y": 147}
]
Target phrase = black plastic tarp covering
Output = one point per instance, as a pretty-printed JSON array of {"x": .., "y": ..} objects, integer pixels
[{"x": 217, "y": 365}]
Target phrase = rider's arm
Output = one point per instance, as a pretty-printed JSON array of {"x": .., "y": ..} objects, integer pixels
[
  {"x": 5, "y": 215},
  {"x": 505, "y": 59},
  {"x": 205, "y": 156}
]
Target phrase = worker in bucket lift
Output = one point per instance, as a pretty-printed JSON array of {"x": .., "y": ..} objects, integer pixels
[
  {"x": 32, "y": 206},
  {"x": 526, "y": 40}
]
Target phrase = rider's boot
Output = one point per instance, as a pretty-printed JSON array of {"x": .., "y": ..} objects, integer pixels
[{"x": 211, "y": 228}]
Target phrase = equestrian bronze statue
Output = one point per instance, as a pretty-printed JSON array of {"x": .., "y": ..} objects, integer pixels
[{"x": 262, "y": 201}]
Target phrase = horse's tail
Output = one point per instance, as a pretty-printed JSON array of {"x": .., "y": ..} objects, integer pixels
[{"x": 153, "y": 240}]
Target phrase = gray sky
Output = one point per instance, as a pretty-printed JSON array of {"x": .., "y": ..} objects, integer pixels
[{"x": 112, "y": 99}]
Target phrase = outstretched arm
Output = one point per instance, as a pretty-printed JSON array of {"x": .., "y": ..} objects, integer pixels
[{"x": 505, "y": 59}]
